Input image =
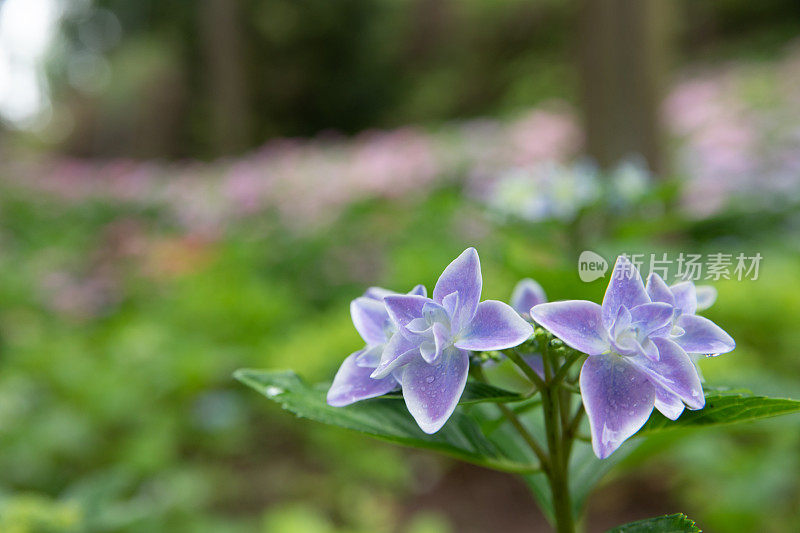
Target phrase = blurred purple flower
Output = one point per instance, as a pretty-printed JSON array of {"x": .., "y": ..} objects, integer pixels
[
  {"x": 635, "y": 360},
  {"x": 429, "y": 353},
  {"x": 526, "y": 294}
]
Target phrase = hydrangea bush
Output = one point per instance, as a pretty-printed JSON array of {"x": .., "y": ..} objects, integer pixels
[{"x": 638, "y": 375}]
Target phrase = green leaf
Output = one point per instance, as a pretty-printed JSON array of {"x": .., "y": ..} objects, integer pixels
[
  {"x": 388, "y": 419},
  {"x": 586, "y": 471},
  {"x": 724, "y": 408},
  {"x": 674, "y": 523},
  {"x": 477, "y": 392}
]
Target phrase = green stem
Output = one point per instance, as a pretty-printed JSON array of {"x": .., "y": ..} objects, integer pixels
[
  {"x": 564, "y": 409},
  {"x": 477, "y": 373},
  {"x": 571, "y": 431},
  {"x": 559, "y": 454},
  {"x": 566, "y": 386},
  {"x": 559, "y": 427},
  {"x": 526, "y": 436},
  {"x": 573, "y": 426},
  {"x": 562, "y": 372},
  {"x": 526, "y": 405},
  {"x": 526, "y": 369}
]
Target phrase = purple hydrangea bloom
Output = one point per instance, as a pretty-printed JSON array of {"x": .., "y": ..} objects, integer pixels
[
  {"x": 687, "y": 300},
  {"x": 353, "y": 382},
  {"x": 429, "y": 354},
  {"x": 637, "y": 355},
  {"x": 528, "y": 293},
  {"x": 693, "y": 333}
]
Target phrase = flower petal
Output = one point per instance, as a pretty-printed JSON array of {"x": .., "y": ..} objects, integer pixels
[
  {"x": 370, "y": 356},
  {"x": 624, "y": 289},
  {"x": 432, "y": 392},
  {"x": 463, "y": 275},
  {"x": 703, "y": 336},
  {"x": 403, "y": 308},
  {"x": 648, "y": 349},
  {"x": 576, "y": 322},
  {"x": 433, "y": 312},
  {"x": 450, "y": 303},
  {"x": 352, "y": 383},
  {"x": 685, "y": 297},
  {"x": 673, "y": 371},
  {"x": 618, "y": 399},
  {"x": 622, "y": 323},
  {"x": 418, "y": 326},
  {"x": 658, "y": 290},
  {"x": 651, "y": 316},
  {"x": 536, "y": 362},
  {"x": 526, "y": 294},
  {"x": 495, "y": 326},
  {"x": 668, "y": 404},
  {"x": 369, "y": 318},
  {"x": 706, "y": 296},
  {"x": 432, "y": 353},
  {"x": 378, "y": 293},
  {"x": 419, "y": 290},
  {"x": 397, "y": 352},
  {"x": 696, "y": 358}
]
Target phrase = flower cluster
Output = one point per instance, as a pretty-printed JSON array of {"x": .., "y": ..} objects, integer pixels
[
  {"x": 642, "y": 344},
  {"x": 306, "y": 182},
  {"x": 638, "y": 342},
  {"x": 422, "y": 344},
  {"x": 556, "y": 191}
]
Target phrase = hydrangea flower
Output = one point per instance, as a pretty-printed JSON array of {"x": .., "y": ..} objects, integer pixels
[
  {"x": 687, "y": 299},
  {"x": 637, "y": 357},
  {"x": 528, "y": 293},
  {"x": 429, "y": 354},
  {"x": 353, "y": 382}
]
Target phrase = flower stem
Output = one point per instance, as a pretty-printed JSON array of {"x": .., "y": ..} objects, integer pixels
[
  {"x": 566, "y": 386},
  {"x": 529, "y": 372},
  {"x": 478, "y": 374},
  {"x": 558, "y": 447},
  {"x": 526, "y": 436},
  {"x": 560, "y": 428},
  {"x": 562, "y": 372}
]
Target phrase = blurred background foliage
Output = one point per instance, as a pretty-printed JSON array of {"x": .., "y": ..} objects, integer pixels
[{"x": 205, "y": 186}]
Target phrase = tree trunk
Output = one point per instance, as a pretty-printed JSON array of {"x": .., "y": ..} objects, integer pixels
[
  {"x": 225, "y": 64},
  {"x": 624, "y": 56}
]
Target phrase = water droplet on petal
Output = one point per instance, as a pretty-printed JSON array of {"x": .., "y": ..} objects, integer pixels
[{"x": 430, "y": 379}]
